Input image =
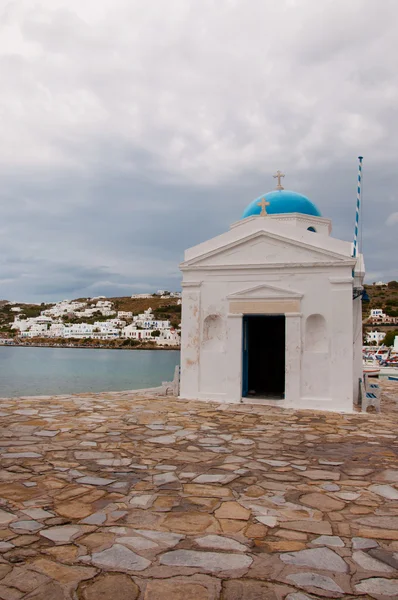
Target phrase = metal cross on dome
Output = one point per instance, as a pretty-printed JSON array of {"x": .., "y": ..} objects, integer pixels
[
  {"x": 263, "y": 205},
  {"x": 278, "y": 175}
]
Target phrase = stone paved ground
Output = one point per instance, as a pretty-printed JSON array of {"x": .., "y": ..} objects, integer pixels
[{"x": 119, "y": 497}]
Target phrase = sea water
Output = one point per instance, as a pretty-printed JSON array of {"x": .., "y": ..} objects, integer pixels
[{"x": 27, "y": 371}]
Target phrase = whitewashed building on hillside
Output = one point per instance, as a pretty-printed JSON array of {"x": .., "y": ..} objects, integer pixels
[
  {"x": 375, "y": 336},
  {"x": 132, "y": 332},
  {"x": 124, "y": 314},
  {"x": 169, "y": 337}
]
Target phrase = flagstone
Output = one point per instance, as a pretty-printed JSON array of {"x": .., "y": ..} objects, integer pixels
[
  {"x": 214, "y": 478},
  {"x": 10, "y": 455},
  {"x": 98, "y": 540},
  {"x": 232, "y": 510},
  {"x": 211, "y": 491},
  {"x": 378, "y": 534},
  {"x": 280, "y": 545},
  {"x": 114, "y": 462},
  {"x": 379, "y": 521},
  {"x": 25, "y": 540},
  {"x": 208, "y": 561},
  {"x": 322, "y": 502},
  {"x": 47, "y": 432},
  {"x": 177, "y": 589},
  {"x": 63, "y": 554},
  {"x": 92, "y": 454},
  {"x": 137, "y": 543},
  {"x": 378, "y": 586},
  {"x": 163, "y": 439},
  {"x": 274, "y": 463},
  {"x": 315, "y": 580},
  {"x": 190, "y": 522},
  {"x": 62, "y": 534},
  {"x": 4, "y": 570},
  {"x": 351, "y": 496},
  {"x": 97, "y": 518},
  {"x": 269, "y": 521},
  {"x": 62, "y": 573},
  {"x": 250, "y": 589},
  {"x": 369, "y": 563},
  {"x": 318, "y": 558},
  {"x": 6, "y": 518},
  {"x": 329, "y": 540},
  {"x": 111, "y": 586},
  {"x": 386, "y": 491},
  {"x": 331, "y": 487},
  {"x": 94, "y": 480},
  {"x": 291, "y": 535},
  {"x": 26, "y": 525},
  {"x": 5, "y": 546},
  {"x": 161, "y": 537},
  {"x": 38, "y": 513},
  {"x": 144, "y": 501},
  {"x": 220, "y": 543},
  {"x": 23, "y": 579},
  {"x": 119, "y": 558},
  {"x": 319, "y": 527},
  {"x": 319, "y": 474},
  {"x": 390, "y": 475},
  {"x": 164, "y": 478},
  {"x": 359, "y": 543},
  {"x": 74, "y": 509}
]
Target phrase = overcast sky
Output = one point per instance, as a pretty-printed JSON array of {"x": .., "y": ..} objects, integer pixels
[{"x": 131, "y": 130}]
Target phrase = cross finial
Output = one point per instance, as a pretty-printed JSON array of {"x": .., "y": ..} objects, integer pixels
[
  {"x": 263, "y": 205},
  {"x": 278, "y": 176}
]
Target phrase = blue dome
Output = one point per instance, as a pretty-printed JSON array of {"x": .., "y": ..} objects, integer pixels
[{"x": 282, "y": 201}]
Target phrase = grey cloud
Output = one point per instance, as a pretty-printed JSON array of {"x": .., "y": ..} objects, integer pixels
[{"x": 131, "y": 131}]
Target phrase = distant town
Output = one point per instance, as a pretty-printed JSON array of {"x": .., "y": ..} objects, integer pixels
[
  {"x": 142, "y": 320},
  {"x": 380, "y": 315},
  {"x": 150, "y": 320}
]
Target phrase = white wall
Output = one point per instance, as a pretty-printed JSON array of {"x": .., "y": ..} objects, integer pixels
[{"x": 323, "y": 361}]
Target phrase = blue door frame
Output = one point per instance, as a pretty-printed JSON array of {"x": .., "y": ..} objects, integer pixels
[{"x": 245, "y": 358}]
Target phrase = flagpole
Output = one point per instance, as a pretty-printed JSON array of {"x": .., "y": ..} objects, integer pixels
[{"x": 360, "y": 159}]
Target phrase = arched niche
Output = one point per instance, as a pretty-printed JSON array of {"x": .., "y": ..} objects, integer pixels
[
  {"x": 311, "y": 229},
  {"x": 213, "y": 333},
  {"x": 316, "y": 339}
]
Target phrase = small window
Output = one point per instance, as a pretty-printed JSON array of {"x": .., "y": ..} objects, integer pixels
[{"x": 311, "y": 229}]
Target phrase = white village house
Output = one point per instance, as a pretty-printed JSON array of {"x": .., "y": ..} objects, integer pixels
[
  {"x": 375, "y": 336},
  {"x": 272, "y": 310}
]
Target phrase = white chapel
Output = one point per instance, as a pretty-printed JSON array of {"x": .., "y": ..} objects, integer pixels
[{"x": 271, "y": 310}]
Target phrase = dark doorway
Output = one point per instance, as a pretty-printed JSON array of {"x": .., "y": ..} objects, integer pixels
[{"x": 264, "y": 356}]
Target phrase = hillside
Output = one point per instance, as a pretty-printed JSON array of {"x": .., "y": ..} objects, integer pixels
[
  {"x": 163, "y": 308},
  {"x": 384, "y": 297},
  {"x": 29, "y": 310}
]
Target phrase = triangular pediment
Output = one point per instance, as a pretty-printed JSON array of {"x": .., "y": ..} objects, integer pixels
[
  {"x": 264, "y": 292},
  {"x": 264, "y": 248}
]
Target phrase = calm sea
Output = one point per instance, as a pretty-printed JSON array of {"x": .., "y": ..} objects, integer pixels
[{"x": 48, "y": 371}]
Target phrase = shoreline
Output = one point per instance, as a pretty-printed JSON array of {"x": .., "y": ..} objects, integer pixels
[
  {"x": 68, "y": 347},
  {"x": 154, "y": 391}
]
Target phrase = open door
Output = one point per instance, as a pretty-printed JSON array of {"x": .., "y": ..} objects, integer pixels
[{"x": 263, "y": 356}]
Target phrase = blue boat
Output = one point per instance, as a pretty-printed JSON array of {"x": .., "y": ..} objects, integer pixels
[{"x": 391, "y": 378}]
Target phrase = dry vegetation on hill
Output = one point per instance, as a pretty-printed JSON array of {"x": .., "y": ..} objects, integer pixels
[{"x": 385, "y": 297}]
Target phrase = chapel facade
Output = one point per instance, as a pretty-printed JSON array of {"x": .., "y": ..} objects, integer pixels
[{"x": 271, "y": 310}]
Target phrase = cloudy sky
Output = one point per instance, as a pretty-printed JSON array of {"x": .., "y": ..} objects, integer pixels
[{"x": 131, "y": 130}]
